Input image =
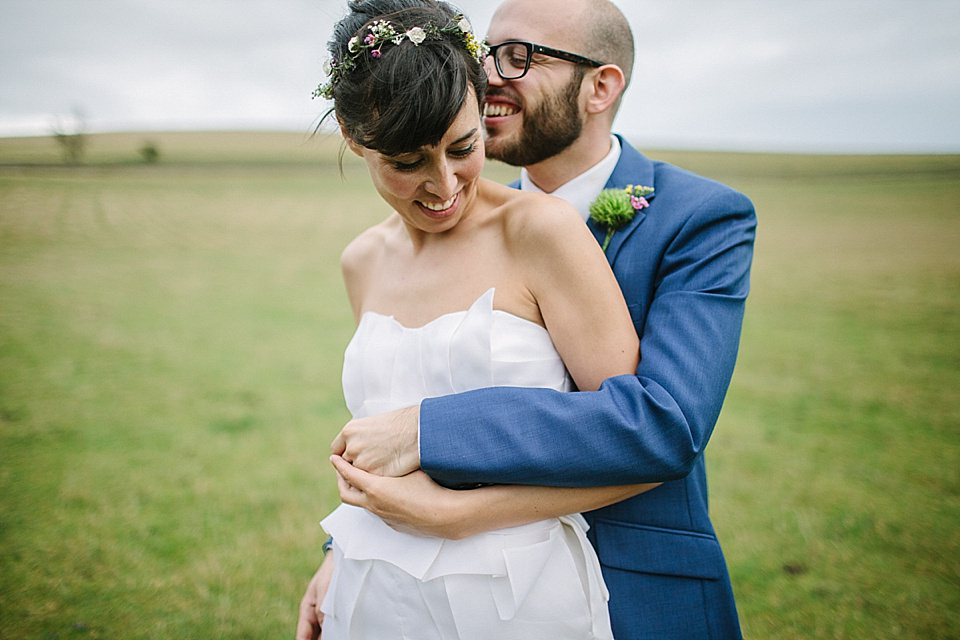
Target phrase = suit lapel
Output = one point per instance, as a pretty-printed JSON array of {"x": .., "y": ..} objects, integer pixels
[{"x": 632, "y": 168}]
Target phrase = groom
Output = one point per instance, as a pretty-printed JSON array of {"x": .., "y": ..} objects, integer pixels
[{"x": 683, "y": 264}]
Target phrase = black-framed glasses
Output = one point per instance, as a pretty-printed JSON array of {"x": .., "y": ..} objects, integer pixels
[{"x": 512, "y": 58}]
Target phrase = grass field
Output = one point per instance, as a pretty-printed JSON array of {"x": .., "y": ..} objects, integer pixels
[{"x": 170, "y": 351}]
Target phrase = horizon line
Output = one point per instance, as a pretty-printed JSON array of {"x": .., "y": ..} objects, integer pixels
[{"x": 663, "y": 143}]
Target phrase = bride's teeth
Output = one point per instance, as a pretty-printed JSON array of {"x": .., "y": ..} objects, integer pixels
[
  {"x": 495, "y": 110},
  {"x": 442, "y": 206}
]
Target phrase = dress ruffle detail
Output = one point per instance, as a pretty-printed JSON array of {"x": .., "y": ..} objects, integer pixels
[
  {"x": 388, "y": 366},
  {"x": 514, "y": 583}
]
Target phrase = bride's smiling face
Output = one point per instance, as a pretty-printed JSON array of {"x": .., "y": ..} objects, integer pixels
[{"x": 431, "y": 188}]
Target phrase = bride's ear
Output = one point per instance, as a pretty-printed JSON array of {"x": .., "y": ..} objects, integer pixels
[{"x": 350, "y": 141}]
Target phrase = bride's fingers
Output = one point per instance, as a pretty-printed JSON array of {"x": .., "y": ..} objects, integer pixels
[
  {"x": 348, "y": 472},
  {"x": 349, "y": 495},
  {"x": 349, "y": 492}
]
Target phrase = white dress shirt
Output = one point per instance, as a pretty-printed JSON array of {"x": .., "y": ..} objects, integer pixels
[{"x": 582, "y": 190}]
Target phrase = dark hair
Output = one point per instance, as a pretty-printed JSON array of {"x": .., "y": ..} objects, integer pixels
[{"x": 409, "y": 96}]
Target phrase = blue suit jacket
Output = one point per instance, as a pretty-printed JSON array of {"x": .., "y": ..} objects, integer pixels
[{"x": 683, "y": 265}]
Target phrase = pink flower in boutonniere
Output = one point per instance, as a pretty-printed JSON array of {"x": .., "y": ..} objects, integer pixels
[{"x": 614, "y": 208}]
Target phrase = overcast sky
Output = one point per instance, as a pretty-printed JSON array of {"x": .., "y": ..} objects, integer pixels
[{"x": 780, "y": 75}]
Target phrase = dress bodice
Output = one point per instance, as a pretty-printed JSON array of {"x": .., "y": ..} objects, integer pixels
[{"x": 388, "y": 366}]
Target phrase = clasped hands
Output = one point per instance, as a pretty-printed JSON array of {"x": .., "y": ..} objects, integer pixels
[
  {"x": 377, "y": 459},
  {"x": 378, "y": 468},
  {"x": 386, "y": 444}
]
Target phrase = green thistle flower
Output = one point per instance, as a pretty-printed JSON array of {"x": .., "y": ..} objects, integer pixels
[{"x": 614, "y": 208}]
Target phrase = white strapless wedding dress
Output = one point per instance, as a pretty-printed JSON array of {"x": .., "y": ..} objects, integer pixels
[{"x": 540, "y": 580}]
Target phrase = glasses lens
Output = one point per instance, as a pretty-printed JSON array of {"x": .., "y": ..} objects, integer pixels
[{"x": 512, "y": 59}]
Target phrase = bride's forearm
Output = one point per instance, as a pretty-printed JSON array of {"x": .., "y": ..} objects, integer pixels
[
  {"x": 501, "y": 506},
  {"x": 415, "y": 503}
]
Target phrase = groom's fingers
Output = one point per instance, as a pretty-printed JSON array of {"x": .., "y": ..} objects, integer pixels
[
  {"x": 339, "y": 445},
  {"x": 385, "y": 444}
]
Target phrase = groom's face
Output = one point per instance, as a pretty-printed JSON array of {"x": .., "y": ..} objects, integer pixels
[{"x": 533, "y": 118}]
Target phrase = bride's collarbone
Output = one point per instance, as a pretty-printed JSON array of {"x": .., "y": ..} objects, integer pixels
[
  {"x": 436, "y": 264},
  {"x": 414, "y": 302},
  {"x": 446, "y": 277}
]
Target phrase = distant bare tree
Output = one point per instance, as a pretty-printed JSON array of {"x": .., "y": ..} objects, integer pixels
[{"x": 72, "y": 137}]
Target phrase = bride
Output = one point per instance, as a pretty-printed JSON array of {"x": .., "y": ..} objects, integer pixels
[{"x": 466, "y": 284}]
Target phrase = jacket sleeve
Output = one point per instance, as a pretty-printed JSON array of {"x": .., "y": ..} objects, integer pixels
[{"x": 648, "y": 427}]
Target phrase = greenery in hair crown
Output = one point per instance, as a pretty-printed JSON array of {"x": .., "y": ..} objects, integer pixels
[{"x": 382, "y": 32}]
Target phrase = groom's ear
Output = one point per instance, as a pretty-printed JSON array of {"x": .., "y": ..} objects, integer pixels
[{"x": 607, "y": 83}]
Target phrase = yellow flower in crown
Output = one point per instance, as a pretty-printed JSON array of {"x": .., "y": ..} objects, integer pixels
[{"x": 382, "y": 32}]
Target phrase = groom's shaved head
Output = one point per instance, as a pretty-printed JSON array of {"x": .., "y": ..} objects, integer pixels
[
  {"x": 596, "y": 29},
  {"x": 609, "y": 38}
]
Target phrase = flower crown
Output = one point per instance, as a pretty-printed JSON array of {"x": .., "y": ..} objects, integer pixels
[{"x": 380, "y": 33}]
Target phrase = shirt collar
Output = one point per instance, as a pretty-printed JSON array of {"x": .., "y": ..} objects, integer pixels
[{"x": 582, "y": 190}]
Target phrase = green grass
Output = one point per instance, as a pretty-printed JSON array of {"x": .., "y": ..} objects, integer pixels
[
  {"x": 170, "y": 351},
  {"x": 836, "y": 465}
]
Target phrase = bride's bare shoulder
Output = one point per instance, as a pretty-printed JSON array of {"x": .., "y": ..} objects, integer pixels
[
  {"x": 537, "y": 218},
  {"x": 367, "y": 247},
  {"x": 361, "y": 258}
]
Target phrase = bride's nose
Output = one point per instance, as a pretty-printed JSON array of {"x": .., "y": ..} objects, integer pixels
[{"x": 442, "y": 181}]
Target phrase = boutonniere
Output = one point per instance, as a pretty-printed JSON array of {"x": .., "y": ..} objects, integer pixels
[{"x": 614, "y": 208}]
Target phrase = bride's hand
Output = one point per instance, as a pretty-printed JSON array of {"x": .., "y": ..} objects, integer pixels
[
  {"x": 311, "y": 618},
  {"x": 386, "y": 444},
  {"x": 412, "y": 503}
]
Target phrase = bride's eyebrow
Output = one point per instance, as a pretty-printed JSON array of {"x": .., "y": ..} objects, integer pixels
[
  {"x": 463, "y": 139},
  {"x": 472, "y": 133}
]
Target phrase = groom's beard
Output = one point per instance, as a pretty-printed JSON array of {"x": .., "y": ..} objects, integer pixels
[{"x": 547, "y": 130}]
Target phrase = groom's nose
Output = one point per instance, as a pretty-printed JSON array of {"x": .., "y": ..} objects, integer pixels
[{"x": 493, "y": 77}]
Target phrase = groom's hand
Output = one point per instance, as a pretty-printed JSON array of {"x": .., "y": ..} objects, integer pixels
[{"x": 386, "y": 444}]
